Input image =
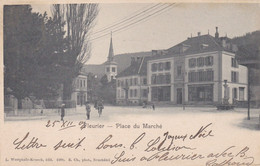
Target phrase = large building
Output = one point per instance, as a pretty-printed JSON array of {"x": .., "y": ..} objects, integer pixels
[{"x": 191, "y": 72}]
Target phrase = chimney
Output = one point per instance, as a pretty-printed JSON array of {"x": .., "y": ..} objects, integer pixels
[
  {"x": 216, "y": 34},
  {"x": 154, "y": 52},
  {"x": 224, "y": 42},
  {"x": 139, "y": 59},
  {"x": 198, "y": 33}
]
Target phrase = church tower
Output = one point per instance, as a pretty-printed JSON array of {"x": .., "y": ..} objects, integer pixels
[{"x": 110, "y": 64}]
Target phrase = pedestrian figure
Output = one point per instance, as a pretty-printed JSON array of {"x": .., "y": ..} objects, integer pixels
[
  {"x": 62, "y": 111},
  {"x": 153, "y": 106},
  {"x": 88, "y": 110},
  {"x": 95, "y": 104},
  {"x": 144, "y": 105},
  {"x": 100, "y": 106}
]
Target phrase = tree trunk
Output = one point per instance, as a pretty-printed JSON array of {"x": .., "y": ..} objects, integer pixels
[
  {"x": 67, "y": 90},
  {"x": 19, "y": 103}
]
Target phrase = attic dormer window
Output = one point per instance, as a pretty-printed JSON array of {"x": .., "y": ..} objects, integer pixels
[
  {"x": 203, "y": 46},
  {"x": 183, "y": 48}
]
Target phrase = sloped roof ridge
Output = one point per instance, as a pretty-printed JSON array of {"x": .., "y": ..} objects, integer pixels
[
  {"x": 213, "y": 39},
  {"x": 140, "y": 66}
]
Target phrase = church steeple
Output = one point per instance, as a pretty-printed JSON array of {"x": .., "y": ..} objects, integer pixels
[
  {"x": 110, "y": 64},
  {"x": 111, "y": 51}
]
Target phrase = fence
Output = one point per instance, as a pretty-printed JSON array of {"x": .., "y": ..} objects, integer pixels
[
  {"x": 38, "y": 112},
  {"x": 56, "y": 104}
]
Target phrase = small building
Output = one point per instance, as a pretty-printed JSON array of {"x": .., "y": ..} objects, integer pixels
[{"x": 79, "y": 93}]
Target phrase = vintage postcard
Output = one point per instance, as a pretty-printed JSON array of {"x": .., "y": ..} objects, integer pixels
[{"x": 131, "y": 83}]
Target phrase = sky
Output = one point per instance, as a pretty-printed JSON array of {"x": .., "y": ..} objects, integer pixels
[{"x": 166, "y": 28}]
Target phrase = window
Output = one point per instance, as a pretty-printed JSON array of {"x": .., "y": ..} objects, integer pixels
[
  {"x": 144, "y": 81},
  {"x": 159, "y": 79},
  {"x": 234, "y": 76},
  {"x": 192, "y": 62},
  {"x": 131, "y": 81},
  {"x": 84, "y": 83},
  {"x": 108, "y": 69},
  {"x": 241, "y": 93},
  {"x": 135, "y": 81},
  {"x": 122, "y": 94},
  {"x": 200, "y": 93},
  {"x": 131, "y": 92},
  {"x": 162, "y": 93},
  {"x": 192, "y": 76},
  {"x": 144, "y": 92},
  {"x": 78, "y": 99},
  {"x": 179, "y": 73},
  {"x": 153, "y": 79},
  {"x": 135, "y": 92},
  {"x": 210, "y": 75},
  {"x": 122, "y": 83},
  {"x": 167, "y": 65},
  {"x": 113, "y": 69},
  {"x": 168, "y": 78},
  {"x": 161, "y": 66},
  {"x": 154, "y": 67},
  {"x": 201, "y": 76},
  {"x": 234, "y": 62},
  {"x": 80, "y": 83},
  {"x": 200, "y": 61},
  {"x": 118, "y": 83},
  {"x": 234, "y": 93},
  {"x": 118, "y": 93},
  {"x": 209, "y": 61}
]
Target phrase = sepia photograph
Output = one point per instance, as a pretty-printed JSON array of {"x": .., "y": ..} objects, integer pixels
[{"x": 130, "y": 84}]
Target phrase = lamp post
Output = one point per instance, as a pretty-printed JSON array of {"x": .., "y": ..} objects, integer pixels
[
  {"x": 183, "y": 91},
  {"x": 248, "y": 95},
  {"x": 126, "y": 88},
  {"x": 225, "y": 100}
]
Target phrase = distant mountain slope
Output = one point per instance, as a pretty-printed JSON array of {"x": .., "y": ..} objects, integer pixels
[
  {"x": 248, "y": 47},
  {"x": 248, "y": 44},
  {"x": 252, "y": 38}
]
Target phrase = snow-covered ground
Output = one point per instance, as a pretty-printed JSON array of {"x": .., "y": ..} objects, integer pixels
[{"x": 223, "y": 130}]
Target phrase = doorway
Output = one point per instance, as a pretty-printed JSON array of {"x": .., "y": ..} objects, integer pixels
[{"x": 179, "y": 95}]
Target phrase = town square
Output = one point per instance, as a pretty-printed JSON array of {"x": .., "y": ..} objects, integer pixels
[{"x": 131, "y": 84}]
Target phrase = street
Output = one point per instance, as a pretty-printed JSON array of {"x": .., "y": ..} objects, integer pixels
[{"x": 218, "y": 131}]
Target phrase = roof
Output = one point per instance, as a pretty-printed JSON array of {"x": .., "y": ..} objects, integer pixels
[
  {"x": 136, "y": 68},
  {"x": 124, "y": 60},
  {"x": 111, "y": 51},
  {"x": 194, "y": 45},
  {"x": 110, "y": 63}
]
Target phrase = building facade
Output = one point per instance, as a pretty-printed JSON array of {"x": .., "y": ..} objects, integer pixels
[
  {"x": 132, "y": 83},
  {"x": 79, "y": 94},
  {"x": 194, "y": 71}
]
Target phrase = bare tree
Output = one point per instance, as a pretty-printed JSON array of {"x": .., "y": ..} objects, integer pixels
[{"x": 79, "y": 20}]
